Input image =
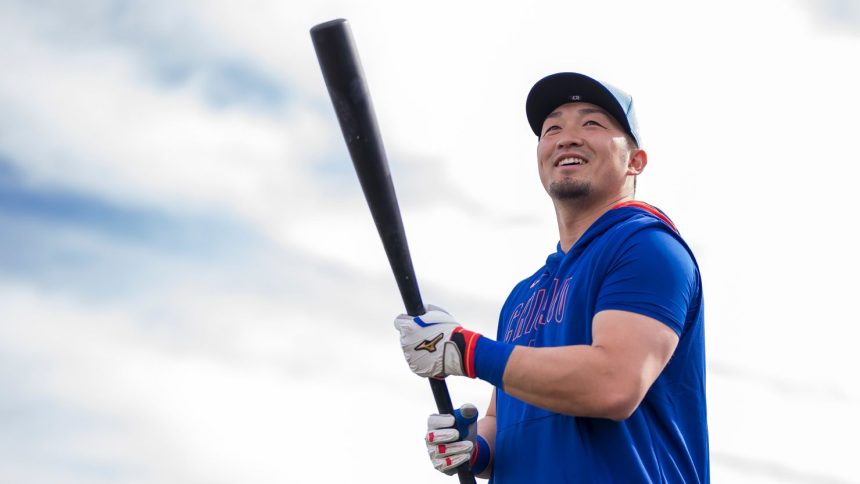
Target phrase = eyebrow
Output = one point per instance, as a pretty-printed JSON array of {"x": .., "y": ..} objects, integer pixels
[{"x": 594, "y": 110}]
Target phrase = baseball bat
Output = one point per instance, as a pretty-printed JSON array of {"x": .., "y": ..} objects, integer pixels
[{"x": 347, "y": 88}]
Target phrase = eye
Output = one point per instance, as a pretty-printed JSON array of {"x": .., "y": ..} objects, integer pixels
[
  {"x": 592, "y": 122},
  {"x": 551, "y": 128}
]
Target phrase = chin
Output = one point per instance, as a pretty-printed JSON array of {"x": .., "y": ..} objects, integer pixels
[{"x": 569, "y": 190}]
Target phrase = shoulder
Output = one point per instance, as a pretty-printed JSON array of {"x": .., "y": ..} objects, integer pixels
[
  {"x": 660, "y": 241},
  {"x": 657, "y": 253},
  {"x": 654, "y": 274},
  {"x": 645, "y": 228}
]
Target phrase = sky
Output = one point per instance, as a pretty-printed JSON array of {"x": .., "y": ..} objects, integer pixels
[{"x": 192, "y": 289}]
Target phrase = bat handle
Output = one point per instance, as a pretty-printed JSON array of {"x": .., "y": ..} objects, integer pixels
[
  {"x": 441, "y": 395},
  {"x": 444, "y": 406},
  {"x": 440, "y": 389},
  {"x": 414, "y": 306}
]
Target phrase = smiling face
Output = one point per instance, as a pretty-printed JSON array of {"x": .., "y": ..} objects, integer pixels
[{"x": 584, "y": 154}]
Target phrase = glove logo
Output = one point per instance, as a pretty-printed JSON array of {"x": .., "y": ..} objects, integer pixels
[{"x": 430, "y": 344}]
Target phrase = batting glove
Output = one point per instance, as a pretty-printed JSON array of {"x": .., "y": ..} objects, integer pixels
[
  {"x": 451, "y": 438},
  {"x": 435, "y": 345}
]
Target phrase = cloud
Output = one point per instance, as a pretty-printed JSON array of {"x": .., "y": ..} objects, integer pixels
[
  {"x": 76, "y": 242},
  {"x": 836, "y": 15},
  {"x": 191, "y": 284},
  {"x": 746, "y": 469},
  {"x": 137, "y": 138},
  {"x": 202, "y": 373},
  {"x": 167, "y": 45}
]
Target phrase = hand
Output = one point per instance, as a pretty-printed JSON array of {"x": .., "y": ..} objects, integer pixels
[
  {"x": 427, "y": 343},
  {"x": 451, "y": 438}
]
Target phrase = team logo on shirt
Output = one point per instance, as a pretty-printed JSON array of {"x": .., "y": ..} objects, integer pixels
[
  {"x": 430, "y": 344},
  {"x": 544, "y": 305}
]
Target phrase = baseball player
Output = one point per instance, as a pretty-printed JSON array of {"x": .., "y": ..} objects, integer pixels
[{"x": 598, "y": 364}]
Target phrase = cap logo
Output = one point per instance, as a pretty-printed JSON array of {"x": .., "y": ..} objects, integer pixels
[{"x": 574, "y": 98}]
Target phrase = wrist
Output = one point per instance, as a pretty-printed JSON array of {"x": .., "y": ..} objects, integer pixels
[
  {"x": 482, "y": 357},
  {"x": 466, "y": 341},
  {"x": 491, "y": 359},
  {"x": 480, "y": 456}
]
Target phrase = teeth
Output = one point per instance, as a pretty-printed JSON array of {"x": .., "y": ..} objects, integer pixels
[{"x": 571, "y": 161}]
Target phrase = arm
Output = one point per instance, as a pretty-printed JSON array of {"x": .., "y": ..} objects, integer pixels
[
  {"x": 487, "y": 430},
  {"x": 606, "y": 379}
]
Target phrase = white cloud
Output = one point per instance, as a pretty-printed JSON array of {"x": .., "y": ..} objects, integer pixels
[{"x": 221, "y": 371}]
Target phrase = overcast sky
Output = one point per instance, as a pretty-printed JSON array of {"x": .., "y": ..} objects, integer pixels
[{"x": 192, "y": 289}]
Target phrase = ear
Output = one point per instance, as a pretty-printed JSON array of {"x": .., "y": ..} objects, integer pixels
[{"x": 636, "y": 162}]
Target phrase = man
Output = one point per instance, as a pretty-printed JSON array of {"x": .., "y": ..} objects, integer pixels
[{"x": 598, "y": 363}]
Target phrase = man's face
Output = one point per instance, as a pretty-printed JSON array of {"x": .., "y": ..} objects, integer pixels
[{"x": 583, "y": 153}]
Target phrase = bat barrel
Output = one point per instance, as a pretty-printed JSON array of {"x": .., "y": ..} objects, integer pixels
[{"x": 348, "y": 91}]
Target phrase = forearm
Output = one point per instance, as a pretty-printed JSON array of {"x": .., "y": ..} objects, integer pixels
[
  {"x": 606, "y": 379},
  {"x": 576, "y": 380},
  {"x": 581, "y": 380},
  {"x": 487, "y": 430}
]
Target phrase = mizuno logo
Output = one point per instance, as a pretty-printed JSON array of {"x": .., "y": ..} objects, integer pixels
[{"x": 430, "y": 344}]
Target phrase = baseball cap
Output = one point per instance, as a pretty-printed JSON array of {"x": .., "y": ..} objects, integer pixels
[{"x": 565, "y": 87}]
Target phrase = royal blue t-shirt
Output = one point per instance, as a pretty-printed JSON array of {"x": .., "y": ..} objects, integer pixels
[{"x": 630, "y": 259}]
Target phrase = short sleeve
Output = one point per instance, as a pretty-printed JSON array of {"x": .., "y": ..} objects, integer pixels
[{"x": 654, "y": 275}]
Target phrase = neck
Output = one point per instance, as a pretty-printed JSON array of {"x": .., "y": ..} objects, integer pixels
[{"x": 574, "y": 217}]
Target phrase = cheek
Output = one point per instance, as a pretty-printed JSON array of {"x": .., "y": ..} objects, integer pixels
[
  {"x": 620, "y": 149},
  {"x": 543, "y": 150}
]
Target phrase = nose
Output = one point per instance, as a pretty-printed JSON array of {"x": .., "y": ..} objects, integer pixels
[{"x": 568, "y": 139}]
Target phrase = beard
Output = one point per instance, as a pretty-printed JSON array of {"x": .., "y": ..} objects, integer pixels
[{"x": 569, "y": 190}]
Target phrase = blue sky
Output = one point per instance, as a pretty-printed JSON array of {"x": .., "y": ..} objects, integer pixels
[{"x": 192, "y": 290}]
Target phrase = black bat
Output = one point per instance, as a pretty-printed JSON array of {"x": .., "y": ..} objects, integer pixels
[{"x": 348, "y": 91}]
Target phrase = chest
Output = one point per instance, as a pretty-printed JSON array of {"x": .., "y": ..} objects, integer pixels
[{"x": 555, "y": 307}]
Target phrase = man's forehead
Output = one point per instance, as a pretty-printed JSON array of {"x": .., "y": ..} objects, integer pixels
[{"x": 581, "y": 108}]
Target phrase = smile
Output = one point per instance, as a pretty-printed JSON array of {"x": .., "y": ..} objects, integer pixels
[{"x": 571, "y": 161}]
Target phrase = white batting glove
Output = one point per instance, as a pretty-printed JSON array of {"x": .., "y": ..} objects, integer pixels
[
  {"x": 427, "y": 345},
  {"x": 451, "y": 438}
]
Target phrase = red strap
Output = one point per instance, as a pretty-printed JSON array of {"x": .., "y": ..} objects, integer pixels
[
  {"x": 648, "y": 208},
  {"x": 471, "y": 339}
]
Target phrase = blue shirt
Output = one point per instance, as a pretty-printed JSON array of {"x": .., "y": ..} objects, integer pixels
[{"x": 630, "y": 259}]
